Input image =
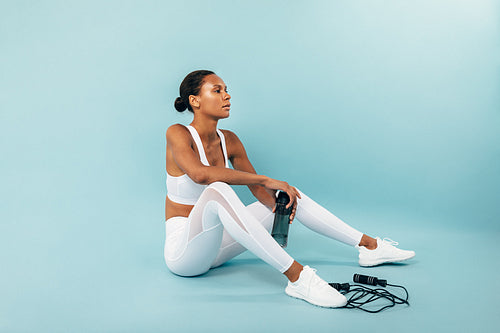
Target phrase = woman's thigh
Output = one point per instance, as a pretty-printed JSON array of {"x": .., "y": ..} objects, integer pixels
[
  {"x": 262, "y": 213},
  {"x": 229, "y": 247},
  {"x": 191, "y": 249},
  {"x": 189, "y": 255}
]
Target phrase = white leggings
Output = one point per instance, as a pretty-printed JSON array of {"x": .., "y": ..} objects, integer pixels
[{"x": 220, "y": 227}]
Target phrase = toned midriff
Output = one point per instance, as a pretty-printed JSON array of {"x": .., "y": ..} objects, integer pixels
[{"x": 176, "y": 209}]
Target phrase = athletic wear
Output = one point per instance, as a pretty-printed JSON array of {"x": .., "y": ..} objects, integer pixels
[
  {"x": 313, "y": 289},
  {"x": 320, "y": 220},
  {"x": 220, "y": 227},
  {"x": 193, "y": 243},
  {"x": 386, "y": 252},
  {"x": 183, "y": 189}
]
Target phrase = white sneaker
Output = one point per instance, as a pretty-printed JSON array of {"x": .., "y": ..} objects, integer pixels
[
  {"x": 385, "y": 252},
  {"x": 313, "y": 289}
]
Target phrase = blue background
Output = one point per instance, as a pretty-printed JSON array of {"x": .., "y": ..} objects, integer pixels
[{"x": 385, "y": 112}]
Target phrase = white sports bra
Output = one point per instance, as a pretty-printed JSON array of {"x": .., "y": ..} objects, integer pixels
[{"x": 184, "y": 190}]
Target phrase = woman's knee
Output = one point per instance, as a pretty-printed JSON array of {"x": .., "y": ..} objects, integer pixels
[
  {"x": 224, "y": 190},
  {"x": 303, "y": 200},
  {"x": 302, "y": 196},
  {"x": 221, "y": 187}
]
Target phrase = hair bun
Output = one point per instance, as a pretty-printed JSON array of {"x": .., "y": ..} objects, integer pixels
[{"x": 180, "y": 105}]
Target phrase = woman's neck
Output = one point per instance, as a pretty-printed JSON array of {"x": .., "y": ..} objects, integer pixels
[{"x": 206, "y": 128}]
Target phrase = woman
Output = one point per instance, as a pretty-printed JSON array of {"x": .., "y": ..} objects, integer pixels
[{"x": 206, "y": 222}]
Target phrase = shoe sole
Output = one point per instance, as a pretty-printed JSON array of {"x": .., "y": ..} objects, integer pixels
[
  {"x": 293, "y": 294},
  {"x": 382, "y": 261}
]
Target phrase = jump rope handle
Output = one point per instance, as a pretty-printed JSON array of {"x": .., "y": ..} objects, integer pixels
[{"x": 370, "y": 280}]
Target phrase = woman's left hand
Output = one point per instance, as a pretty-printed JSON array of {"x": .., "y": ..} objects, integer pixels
[{"x": 294, "y": 209}]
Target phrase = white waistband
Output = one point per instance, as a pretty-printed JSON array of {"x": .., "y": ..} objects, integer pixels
[
  {"x": 180, "y": 200},
  {"x": 173, "y": 219}
]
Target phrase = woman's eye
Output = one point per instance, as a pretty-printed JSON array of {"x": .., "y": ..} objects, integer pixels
[{"x": 217, "y": 91}]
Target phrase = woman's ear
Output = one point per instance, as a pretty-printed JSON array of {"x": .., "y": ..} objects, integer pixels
[{"x": 194, "y": 101}]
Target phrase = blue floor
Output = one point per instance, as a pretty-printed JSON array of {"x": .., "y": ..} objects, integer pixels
[
  {"x": 390, "y": 107},
  {"x": 71, "y": 278}
]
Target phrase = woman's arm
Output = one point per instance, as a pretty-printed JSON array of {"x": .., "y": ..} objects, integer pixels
[
  {"x": 266, "y": 194},
  {"x": 239, "y": 160},
  {"x": 179, "y": 142}
]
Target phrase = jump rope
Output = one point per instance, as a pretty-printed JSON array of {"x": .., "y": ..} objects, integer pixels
[{"x": 360, "y": 297}]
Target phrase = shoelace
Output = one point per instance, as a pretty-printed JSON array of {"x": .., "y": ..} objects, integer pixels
[
  {"x": 390, "y": 241},
  {"x": 316, "y": 280}
]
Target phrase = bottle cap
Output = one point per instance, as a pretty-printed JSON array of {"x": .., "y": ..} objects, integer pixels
[{"x": 283, "y": 198}]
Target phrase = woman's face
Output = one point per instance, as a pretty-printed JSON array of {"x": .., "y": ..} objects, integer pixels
[{"x": 213, "y": 98}]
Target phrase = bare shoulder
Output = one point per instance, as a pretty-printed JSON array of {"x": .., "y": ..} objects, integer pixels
[
  {"x": 229, "y": 135},
  {"x": 233, "y": 143},
  {"x": 177, "y": 132}
]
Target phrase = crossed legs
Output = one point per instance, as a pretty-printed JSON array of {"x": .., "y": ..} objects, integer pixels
[{"x": 220, "y": 227}]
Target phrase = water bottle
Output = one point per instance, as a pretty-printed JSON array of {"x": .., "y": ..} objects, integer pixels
[{"x": 281, "y": 219}]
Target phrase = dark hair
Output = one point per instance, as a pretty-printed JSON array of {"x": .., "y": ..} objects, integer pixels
[{"x": 191, "y": 85}]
